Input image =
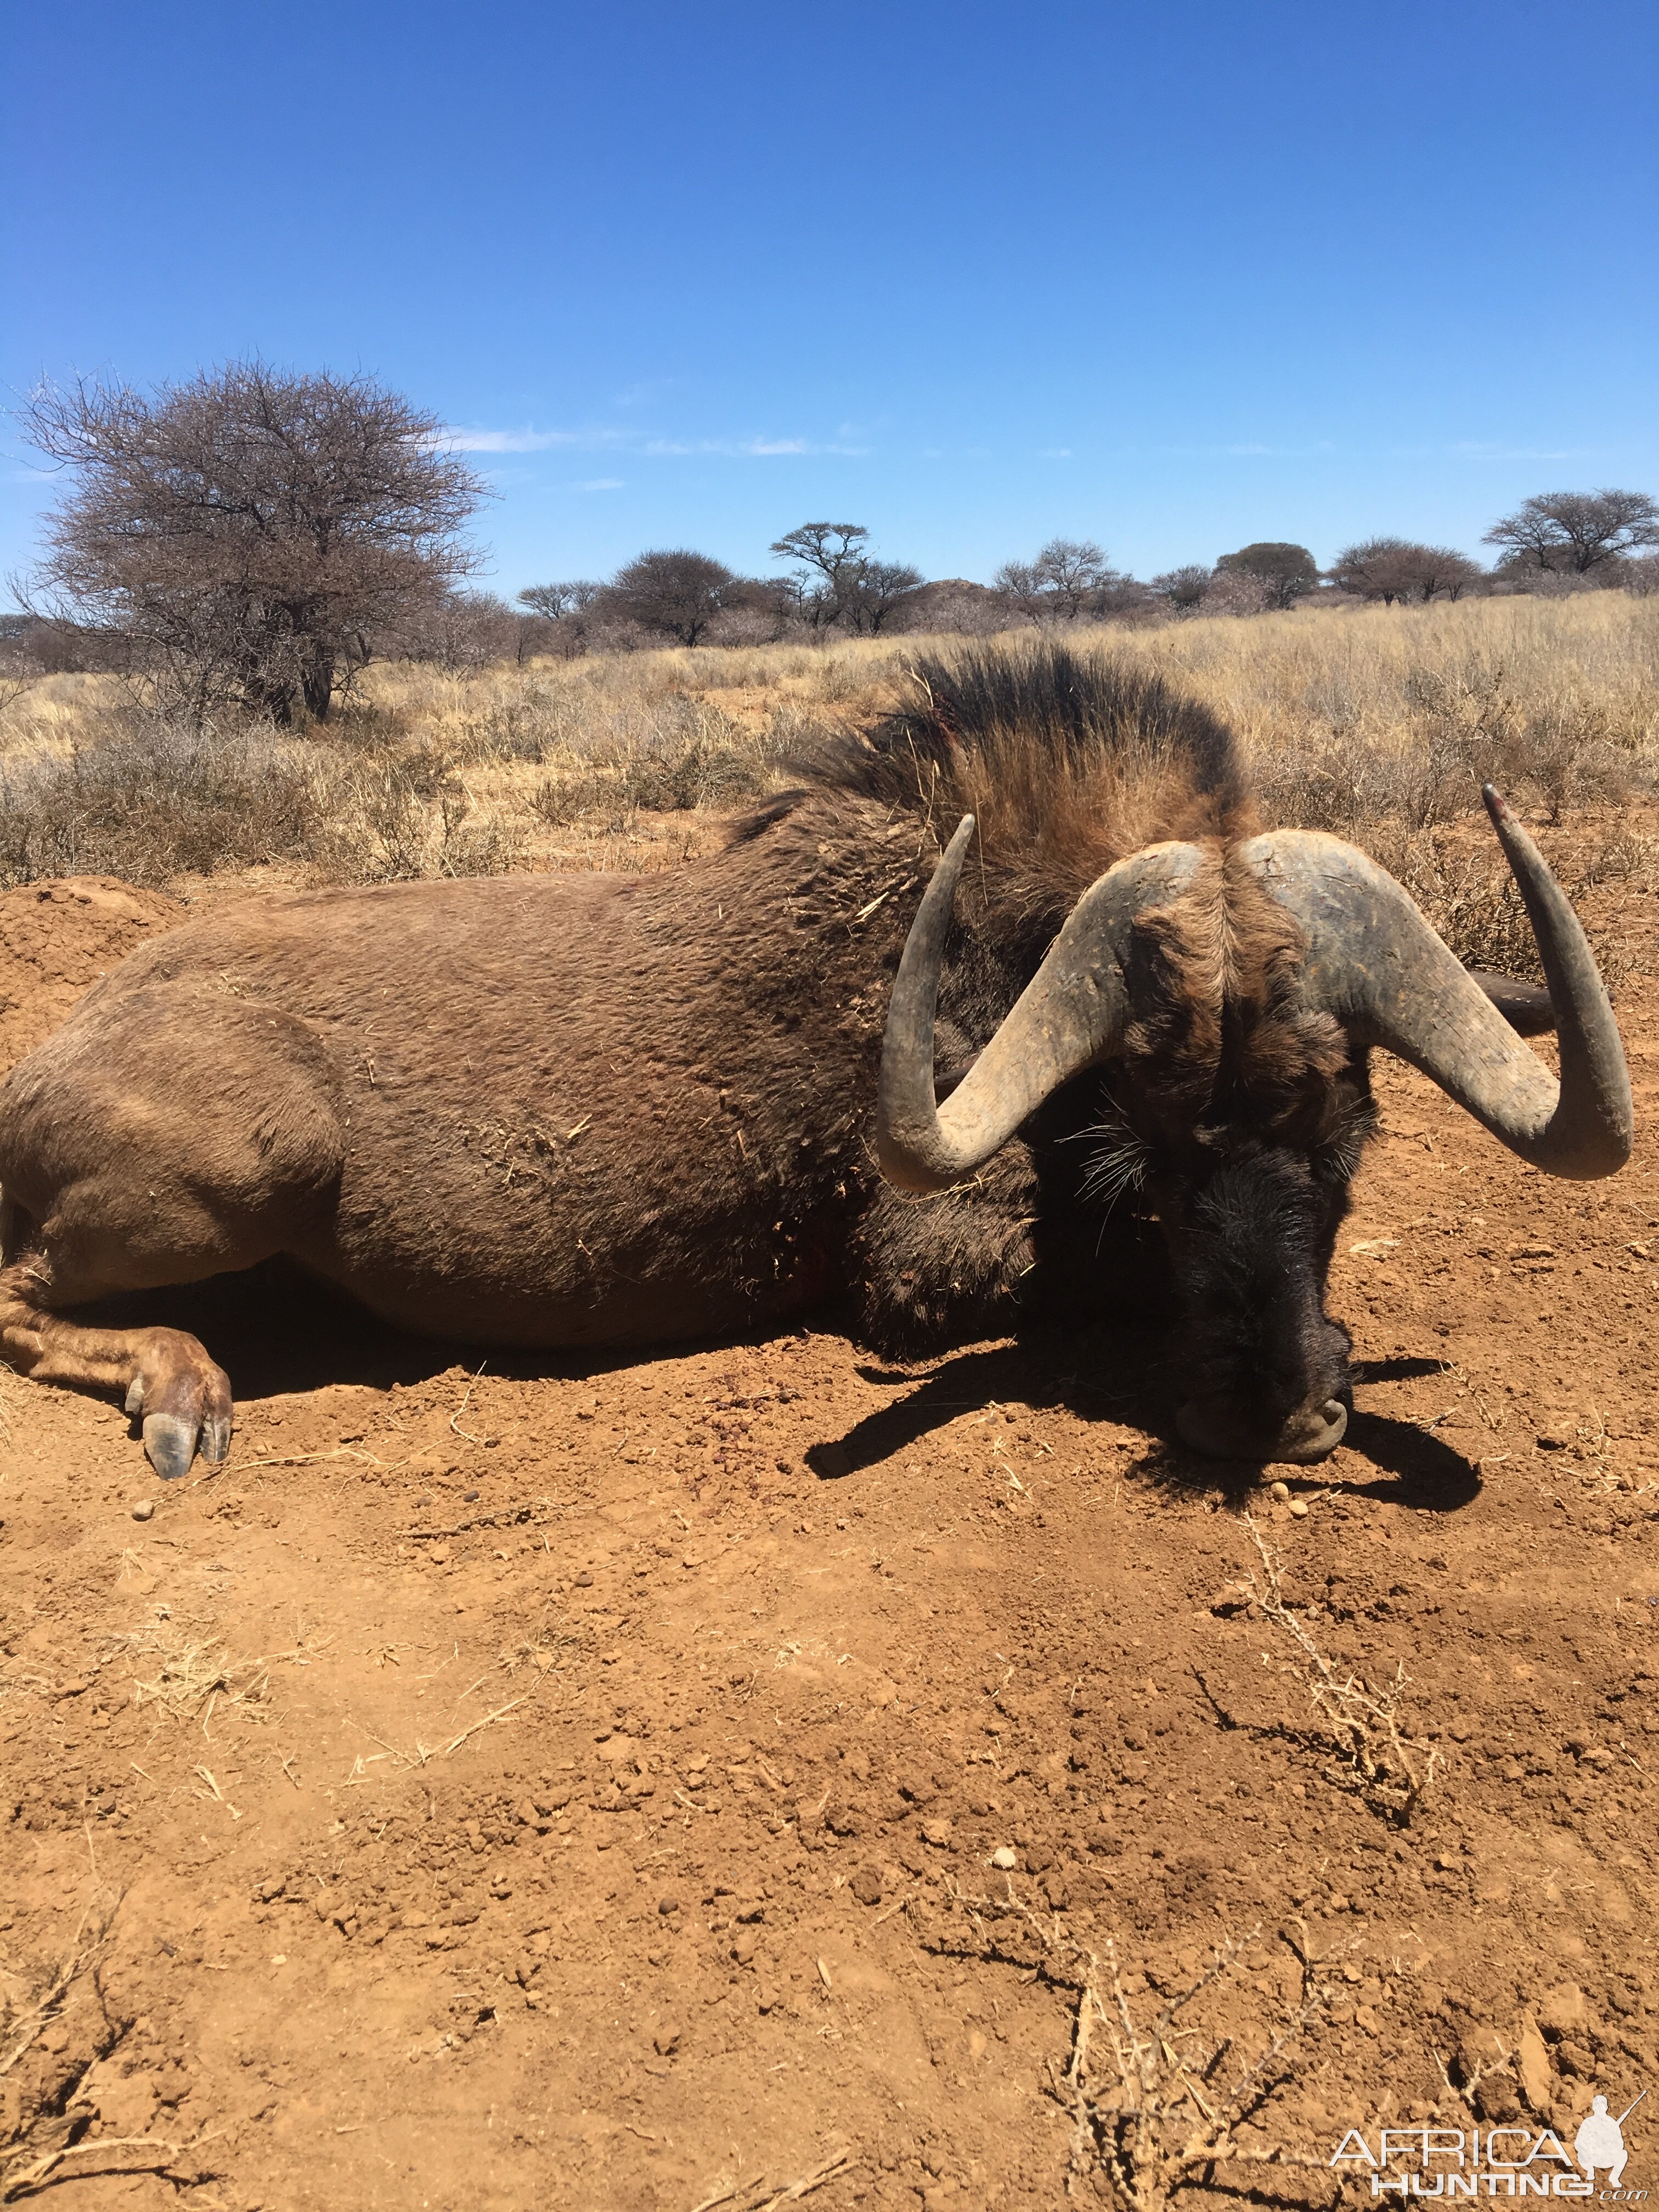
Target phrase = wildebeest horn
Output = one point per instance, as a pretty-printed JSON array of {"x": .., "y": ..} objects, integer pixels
[
  {"x": 1374, "y": 962},
  {"x": 1070, "y": 1014}
]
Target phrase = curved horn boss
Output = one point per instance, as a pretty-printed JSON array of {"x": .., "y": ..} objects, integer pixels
[{"x": 1217, "y": 999}]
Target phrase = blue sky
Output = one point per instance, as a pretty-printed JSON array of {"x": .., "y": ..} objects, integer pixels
[{"x": 1173, "y": 278}]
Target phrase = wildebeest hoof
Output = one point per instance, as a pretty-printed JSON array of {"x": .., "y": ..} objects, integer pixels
[
  {"x": 170, "y": 1444},
  {"x": 183, "y": 1397},
  {"x": 1310, "y": 1434}
]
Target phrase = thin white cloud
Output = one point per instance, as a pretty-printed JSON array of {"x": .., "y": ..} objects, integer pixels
[
  {"x": 603, "y": 439},
  {"x": 744, "y": 449},
  {"x": 512, "y": 441},
  {"x": 1054, "y": 452},
  {"x": 602, "y": 483}
]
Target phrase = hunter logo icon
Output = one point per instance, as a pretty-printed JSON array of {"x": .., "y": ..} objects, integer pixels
[
  {"x": 1600, "y": 2140},
  {"x": 1506, "y": 2160}
]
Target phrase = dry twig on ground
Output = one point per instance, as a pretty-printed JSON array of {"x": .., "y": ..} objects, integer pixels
[
  {"x": 47, "y": 2145},
  {"x": 1363, "y": 1724},
  {"x": 1146, "y": 2116},
  {"x": 762, "y": 2194}
]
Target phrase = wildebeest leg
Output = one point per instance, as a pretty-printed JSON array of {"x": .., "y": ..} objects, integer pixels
[
  {"x": 162, "y": 1138},
  {"x": 166, "y": 1376}
]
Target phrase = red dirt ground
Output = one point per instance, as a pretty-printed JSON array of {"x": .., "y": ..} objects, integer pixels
[{"x": 522, "y": 1786}]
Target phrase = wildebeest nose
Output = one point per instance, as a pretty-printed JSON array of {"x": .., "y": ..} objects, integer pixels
[
  {"x": 1314, "y": 1435},
  {"x": 1220, "y": 1431}
]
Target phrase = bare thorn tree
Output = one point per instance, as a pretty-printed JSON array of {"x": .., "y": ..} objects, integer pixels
[
  {"x": 249, "y": 532},
  {"x": 557, "y": 602},
  {"x": 1066, "y": 581},
  {"x": 1571, "y": 532}
]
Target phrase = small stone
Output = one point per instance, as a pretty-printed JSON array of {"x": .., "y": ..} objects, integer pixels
[
  {"x": 1281, "y": 1490},
  {"x": 584, "y": 1581},
  {"x": 667, "y": 1904},
  {"x": 937, "y": 1833},
  {"x": 1299, "y": 1508},
  {"x": 144, "y": 1509},
  {"x": 865, "y": 1886},
  {"x": 1004, "y": 1859},
  {"x": 667, "y": 2039}
]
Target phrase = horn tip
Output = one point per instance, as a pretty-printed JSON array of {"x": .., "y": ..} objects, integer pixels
[{"x": 1497, "y": 805}]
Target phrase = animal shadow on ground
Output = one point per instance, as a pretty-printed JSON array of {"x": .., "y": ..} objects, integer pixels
[
  {"x": 276, "y": 1330},
  {"x": 1090, "y": 1378},
  {"x": 1125, "y": 1379}
]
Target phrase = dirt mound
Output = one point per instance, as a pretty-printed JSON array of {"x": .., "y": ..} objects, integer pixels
[
  {"x": 662, "y": 1786},
  {"x": 58, "y": 938}
]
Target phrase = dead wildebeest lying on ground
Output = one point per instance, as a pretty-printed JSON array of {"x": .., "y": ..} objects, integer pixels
[{"x": 604, "y": 1111}]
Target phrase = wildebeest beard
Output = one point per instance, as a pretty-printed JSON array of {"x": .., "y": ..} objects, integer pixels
[{"x": 1251, "y": 1247}]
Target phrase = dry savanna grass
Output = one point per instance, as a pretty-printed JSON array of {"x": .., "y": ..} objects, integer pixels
[{"x": 1378, "y": 724}]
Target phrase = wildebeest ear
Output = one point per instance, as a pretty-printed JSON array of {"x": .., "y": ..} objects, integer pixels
[{"x": 1525, "y": 1007}]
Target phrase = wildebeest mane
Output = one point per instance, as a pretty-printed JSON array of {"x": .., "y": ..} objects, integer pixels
[{"x": 1069, "y": 760}]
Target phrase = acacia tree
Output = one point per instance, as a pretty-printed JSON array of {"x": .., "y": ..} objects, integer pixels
[
  {"x": 1066, "y": 580},
  {"x": 568, "y": 607},
  {"x": 557, "y": 602},
  {"x": 879, "y": 589},
  {"x": 828, "y": 557},
  {"x": 1184, "y": 588},
  {"x": 1288, "y": 573},
  {"x": 678, "y": 592},
  {"x": 1390, "y": 568},
  {"x": 1571, "y": 532},
  {"x": 249, "y": 532}
]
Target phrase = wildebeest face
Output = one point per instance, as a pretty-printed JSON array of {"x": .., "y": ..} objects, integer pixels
[
  {"x": 1234, "y": 991},
  {"x": 1248, "y": 1216}
]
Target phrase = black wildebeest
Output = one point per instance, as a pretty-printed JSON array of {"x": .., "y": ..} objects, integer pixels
[{"x": 601, "y": 1111}]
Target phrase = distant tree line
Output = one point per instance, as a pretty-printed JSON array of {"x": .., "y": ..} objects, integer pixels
[
  {"x": 258, "y": 537},
  {"x": 835, "y": 585}
]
